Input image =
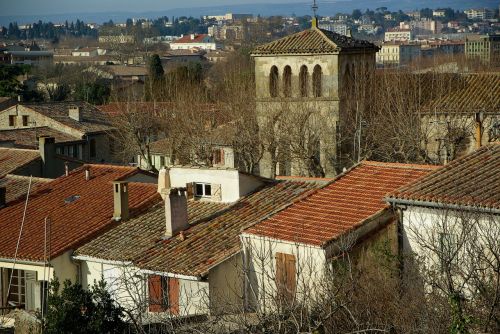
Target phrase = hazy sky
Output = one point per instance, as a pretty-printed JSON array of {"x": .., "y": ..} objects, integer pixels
[{"x": 44, "y": 7}]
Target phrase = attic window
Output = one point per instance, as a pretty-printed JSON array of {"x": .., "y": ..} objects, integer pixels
[
  {"x": 202, "y": 190},
  {"x": 71, "y": 199}
]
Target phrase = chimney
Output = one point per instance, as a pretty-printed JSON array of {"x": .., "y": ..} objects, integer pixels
[
  {"x": 163, "y": 179},
  {"x": 3, "y": 194},
  {"x": 479, "y": 129},
  {"x": 47, "y": 149},
  {"x": 120, "y": 200},
  {"x": 74, "y": 113},
  {"x": 176, "y": 215},
  {"x": 19, "y": 98},
  {"x": 66, "y": 168},
  {"x": 193, "y": 36},
  {"x": 87, "y": 173}
]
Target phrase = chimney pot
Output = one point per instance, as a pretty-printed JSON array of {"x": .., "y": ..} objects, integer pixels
[
  {"x": 74, "y": 113},
  {"x": 120, "y": 200},
  {"x": 163, "y": 179},
  {"x": 193, "y": 36},
  {"x": 66, "y": 168},
  {"x": 87, "y": 173}
]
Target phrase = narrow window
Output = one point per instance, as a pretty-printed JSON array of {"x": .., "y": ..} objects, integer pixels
[
  {"x": 162, "y": 161},
  {"x": 12, "y": 120},
  {"x": 303, "y": 81},
  {"x": 317, "y": 77},
  {"x": 287, "y": 81},
  {"x": 273, "y": 82},
  {"x": 25, "y": 120}
]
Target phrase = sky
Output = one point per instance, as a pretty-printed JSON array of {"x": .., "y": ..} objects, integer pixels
[{"x": 44, "y": 7}]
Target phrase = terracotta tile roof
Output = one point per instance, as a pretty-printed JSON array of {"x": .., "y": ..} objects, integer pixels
[
  {"x": 341, "y": 206},
  {"x": 12, "y": 159},
  {"x": 92, "y": 119},
  {"x": 72, "y": 223},
  {"x": 211, "y": 242},
  {"x": 473, "y": 180},
  {"x": 17, "y": 185},
  {"x": 474, "y": 92},
  {"x": 311, "y": 41},
  {"x": 127, "y": 240},
  {"x": 28, "y": 138},
  {"x": 198, "y": 38}
]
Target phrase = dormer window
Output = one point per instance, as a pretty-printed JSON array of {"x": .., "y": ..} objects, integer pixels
[{"x": 203, "y": 190}]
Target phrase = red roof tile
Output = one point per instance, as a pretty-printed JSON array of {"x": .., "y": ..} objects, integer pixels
[
  {"x": 11, "y": 159},
  {"x": 473, "y": 180},
  {"x": 198, "y": 38},
  {"x": 17, "y": 185},
  {"x": 73, "y": 223},
  {"x": 340, "y": 206}
]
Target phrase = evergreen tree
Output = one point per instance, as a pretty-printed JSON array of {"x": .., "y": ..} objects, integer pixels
[{"x": 156, "y": 72}]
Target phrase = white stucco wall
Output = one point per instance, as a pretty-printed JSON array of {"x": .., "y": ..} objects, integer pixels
[
  {"x": 260, "y": 269},
  {"x": 226, "y": 286}
]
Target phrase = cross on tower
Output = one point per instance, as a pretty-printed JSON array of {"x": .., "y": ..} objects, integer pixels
[{"x": 314, "y": 8}]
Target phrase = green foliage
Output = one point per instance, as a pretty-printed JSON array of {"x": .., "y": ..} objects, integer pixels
[
  {"x": 156, "y": 71},
  {"x": 9, "y": 85},
  {"x": 356, "y": 14},
  {"x": 93, "y": 92},
  {"x": 75, "y": 310}
]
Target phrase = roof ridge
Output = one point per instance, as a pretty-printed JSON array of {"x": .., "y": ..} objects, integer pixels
[
  {"x": 400, "y": 165},
  {"x": 14, "y": 176},
  {"x": 18, "y": 149}
]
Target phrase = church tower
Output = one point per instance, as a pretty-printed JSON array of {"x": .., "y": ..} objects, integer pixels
[{"x": 300, "y": 80}]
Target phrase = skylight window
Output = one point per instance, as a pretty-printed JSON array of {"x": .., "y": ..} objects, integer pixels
[{"x": 71, "y": 199}]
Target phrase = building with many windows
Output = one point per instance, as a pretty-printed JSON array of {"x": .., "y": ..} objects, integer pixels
[
  {"x": 393, "y": 54},
  {"x": 485, "y": 48}
]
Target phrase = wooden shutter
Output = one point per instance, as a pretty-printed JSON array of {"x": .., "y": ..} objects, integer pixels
[
  {"x": 216, "y": 192},
  {"x": 286, "y": 280},
  {"x": 222, "y": 157},
  {"x": 155, "y": 289},
  {"x": 173, "y": 295}
]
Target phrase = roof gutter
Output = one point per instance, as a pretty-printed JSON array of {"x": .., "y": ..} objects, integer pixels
[
  {"x": 437, "y": 205},
  {"x": 162, "y": 273},
  {"x": 26, "y": 262},
  {"x": 99, "y": 260}
]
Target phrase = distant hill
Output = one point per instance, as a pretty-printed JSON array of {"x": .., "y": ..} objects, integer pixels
[{"x": 330, "y": 8}]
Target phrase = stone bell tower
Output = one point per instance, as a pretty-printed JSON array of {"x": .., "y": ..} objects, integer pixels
[{"x": 299, "y": 80}]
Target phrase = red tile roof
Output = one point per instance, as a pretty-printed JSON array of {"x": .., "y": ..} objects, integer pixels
[
  {"x": 12, "y": 159},
  {"x": 210, "y": 242},
  {"x": 17, "y": 185},
  {"x": 341, "y": 206},
  {"x": 198, "y": 38},
  {"x": 71, "y": 223},
  {"x": 473, "y": 180}
]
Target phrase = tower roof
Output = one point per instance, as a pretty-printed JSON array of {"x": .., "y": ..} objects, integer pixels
[{"x": 313, "y": 41}]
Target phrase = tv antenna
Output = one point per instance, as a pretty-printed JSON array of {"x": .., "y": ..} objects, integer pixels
[{"x": 314, "y": 8}]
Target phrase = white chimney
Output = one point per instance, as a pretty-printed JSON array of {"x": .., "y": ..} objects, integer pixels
[
  {"x": 87, "y": 173},
  {"x": 120, "y": 200},
  {"x": 74, "y": 113},
  {"x": 66, "y": 168},
  {"x": 176, "y": 215},
  {"x": 163, "y": 179},
  {"x": 193, "y": 36}
]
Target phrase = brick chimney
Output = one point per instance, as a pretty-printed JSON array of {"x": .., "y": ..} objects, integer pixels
[
  {"x": 74, "y": 113},
  {"x": 120, "y": 200},
  {"x": 176, "y": 215}
]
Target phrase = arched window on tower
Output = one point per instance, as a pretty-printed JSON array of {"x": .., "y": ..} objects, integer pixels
[
  {"x": 287, "y": 81},
  {"x": 317, "y": 78},
  {"x": 273, "y": 82},
  {"x": 303, "y": 81}
]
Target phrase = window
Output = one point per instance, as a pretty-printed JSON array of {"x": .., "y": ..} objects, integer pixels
[
  {"x": 92, "y": 148},
  {"x": 287, "y": 81},
  {"x": 273, "y": 82},
  {"x": 286, "y": 277},
  {"x": 317, "y": 77},
  {"x": 163, "y": 294},
  {"x": 12, "y": 120},
  {"x": 203, "y": 190},
  {"x": 162, "y": 161},
  {"x": 25, "y": 120},
  {"x": 303, "y": 81}
]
